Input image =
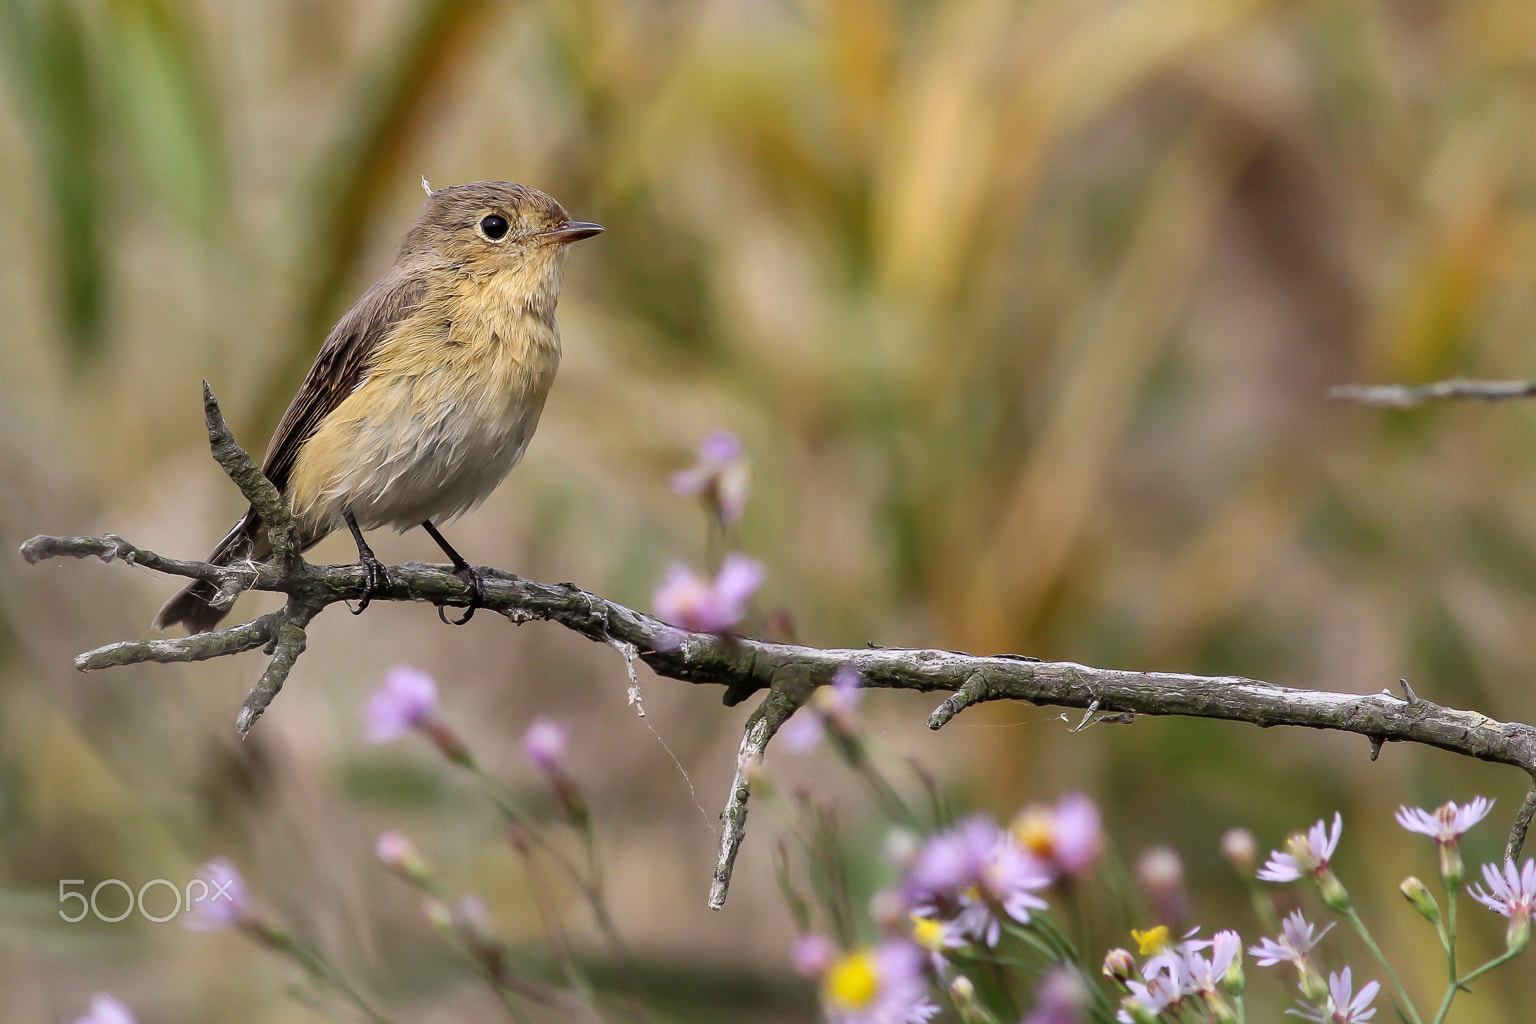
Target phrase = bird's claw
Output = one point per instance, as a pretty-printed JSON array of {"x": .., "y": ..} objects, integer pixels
[
  {"x": 476, "y": 596},
  {"x": 375, "y": 577}
]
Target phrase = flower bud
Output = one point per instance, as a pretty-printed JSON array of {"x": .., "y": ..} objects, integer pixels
[
  {"x": 439, "y": 914},
  {"x": 547, "y": 745},
  {"x": 1422, "y": 899},
  {"x": 1119, "y": 966},
  {"x": 520, "y": 839},
  {"x": 901, "y": 847},
  {"x": 1311, "y": 983},
  {"x": 1160, "y": 873},
  {"x": 812, "y": 954},
  {"x": 1234, "y": 981},
  {"x": 1332, "y": 890},
  {"x": 963, "y": 994},
  {"x": 1241, "y": 851},
  {"x": 473, "y": 920},
  {"x": 399, "y": 854}
]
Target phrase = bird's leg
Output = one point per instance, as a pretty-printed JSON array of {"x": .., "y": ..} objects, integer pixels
[
  {"x": 374, "y": 576},
  {"x": 463, "y": 570}
]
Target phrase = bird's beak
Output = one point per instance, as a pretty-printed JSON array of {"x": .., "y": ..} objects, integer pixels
[{"x": 571, "y": 231}]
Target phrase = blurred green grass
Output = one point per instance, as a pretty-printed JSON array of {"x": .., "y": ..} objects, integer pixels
[{"x": 1024, "y": 310}]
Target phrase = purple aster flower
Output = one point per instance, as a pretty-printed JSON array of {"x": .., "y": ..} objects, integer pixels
[
  {"x": 975, "y": 875},
  {"x": 885, "y": 985},
  {"x": 406, "y": 701},
  {"x": 1060, "y": 998},
  {"x": 948, "y": 863},
  {"x": 1178, "y": 960},
  {"x": 1205, "y": 973},
  {"x": 1304, "y": 854},
  {"x": 1343, "y": 1005},
  {"x": 221, "y": 902},
  {"x": 1005, "y": 889},
  {"x": 721, "y": 475},
  {"x": 1294, "y": 945},
  {"x": 1158, "y": 989},
  {"x": 1511, "y": 892},
  {"x": 1065, "y": 839},
  {"x": 1447, "y": 823},
  {"x": 699, "y": 607},
  {"x": 547, "y": 744},
  {"x": 106, "y": 1010}
]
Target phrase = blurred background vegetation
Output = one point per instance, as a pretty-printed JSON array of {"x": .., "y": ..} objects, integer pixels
[{"x": 1024, "y": 309}]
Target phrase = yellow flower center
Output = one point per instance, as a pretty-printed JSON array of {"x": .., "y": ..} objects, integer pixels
[
  {"x": 853, "y": 981},
  {"x": 1033, "y": 830},
  {"x": 1153, "y": 940},
  {"x": 928, "y": 933},
  {"x": 1300, "y": 847}
]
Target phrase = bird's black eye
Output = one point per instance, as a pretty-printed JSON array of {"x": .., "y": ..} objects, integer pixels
[{"x": 494, "y": 226}]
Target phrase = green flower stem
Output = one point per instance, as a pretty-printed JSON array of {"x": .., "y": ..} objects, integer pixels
[
  {"x": 851, "y": 748},
  {"x": 1450, "y": 939},
  {"x": 315, "y": 965},
  {"x": 597, "y": 901},
  {"x": 590, "y": 886},
  {"x": 1457, "y": 985},
  {"x": 550, "y": 914},
  {"x": 1490, "y": 965},
  {"x": 589, "y": 882},
  {"x": 1397, "y": 985}
]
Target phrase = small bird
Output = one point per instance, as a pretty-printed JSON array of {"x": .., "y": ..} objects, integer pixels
[{"x": 425, "y": 394}]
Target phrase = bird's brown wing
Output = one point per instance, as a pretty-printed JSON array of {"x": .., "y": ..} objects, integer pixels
[
  {"x": 339, "y": 368},
  {"x": 342, "y": 365}
]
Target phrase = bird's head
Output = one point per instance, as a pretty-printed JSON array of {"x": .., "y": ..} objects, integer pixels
[{"x": 493, "y": 226}]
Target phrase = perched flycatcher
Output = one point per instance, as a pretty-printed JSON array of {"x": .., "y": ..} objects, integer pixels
[{"x": 426, "y": 393}]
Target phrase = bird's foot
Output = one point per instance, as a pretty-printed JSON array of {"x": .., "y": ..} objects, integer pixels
[
  {"x": 375, "y": 577},
  {"x": 476, "y": 587}
]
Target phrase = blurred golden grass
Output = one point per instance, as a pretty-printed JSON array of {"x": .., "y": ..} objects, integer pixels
[{"x": 1025, "y": 311}]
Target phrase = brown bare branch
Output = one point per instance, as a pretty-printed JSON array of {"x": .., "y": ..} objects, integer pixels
[
  {"x": 1402, "y": 396},
  {"x": 788, "y": 672},
  {"x": 744, "y": 666}
]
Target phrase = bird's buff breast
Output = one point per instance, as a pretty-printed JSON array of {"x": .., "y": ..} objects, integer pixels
[{"x": 446, "y": 411}]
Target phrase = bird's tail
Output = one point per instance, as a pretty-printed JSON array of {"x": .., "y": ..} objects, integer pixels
[{"x": 196, "y": 605}]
